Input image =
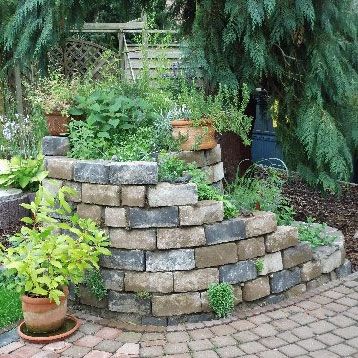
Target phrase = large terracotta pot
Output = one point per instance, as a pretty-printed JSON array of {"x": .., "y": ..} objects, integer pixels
[
  {"x": 57, "y": 124},
  {"x": 195, "y": 137},
  {"x": 42, "y": 315}
]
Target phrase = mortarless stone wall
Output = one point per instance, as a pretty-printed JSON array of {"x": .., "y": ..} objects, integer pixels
[{"x": 170, "y": 245}]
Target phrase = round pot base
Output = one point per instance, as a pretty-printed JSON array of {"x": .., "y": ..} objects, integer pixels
[{"x": 69, "y": 327}]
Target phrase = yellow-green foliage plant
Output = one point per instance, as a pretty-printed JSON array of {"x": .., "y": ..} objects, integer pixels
[{"x": 49, "y": 253}]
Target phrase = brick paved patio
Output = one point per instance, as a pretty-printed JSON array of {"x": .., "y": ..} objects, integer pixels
[{"x": 322, "y": 323}]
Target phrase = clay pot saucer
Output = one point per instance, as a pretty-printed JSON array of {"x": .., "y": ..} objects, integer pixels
[{"x": 70, "y": 326}]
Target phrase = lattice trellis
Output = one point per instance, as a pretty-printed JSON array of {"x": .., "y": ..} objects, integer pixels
[{"x": 77, "y": 57}]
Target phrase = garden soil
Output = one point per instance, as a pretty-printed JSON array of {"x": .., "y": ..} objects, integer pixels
[{"x": 339, "y": 211}]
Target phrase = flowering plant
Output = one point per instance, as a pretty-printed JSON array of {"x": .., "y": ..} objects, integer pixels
[{"x": 54, "y": 93}]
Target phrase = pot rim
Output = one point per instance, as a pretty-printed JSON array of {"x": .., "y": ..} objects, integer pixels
[
  {"x": 189, "y": 123},
  {"x": 43, "y": 300}
]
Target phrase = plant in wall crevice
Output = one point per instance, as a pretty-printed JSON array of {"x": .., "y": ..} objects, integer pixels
[{"x": 221, "y": 299}]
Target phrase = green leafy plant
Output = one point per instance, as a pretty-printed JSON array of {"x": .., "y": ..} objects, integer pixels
[
  {"x": 94, "y": 282},
  {"x": 259, "y": 263},
  {"x": 47, "y": 254},
  {"x": 221, "y": 298},
  {"x": 315, "y": 233},
  {"x": 53, "y": 93},
  {"x": 143, "y": 295},
  {"x": 225, "y": 109},
  {"x": 22, "y": 173},
  {"x": 173, "y": 169}
]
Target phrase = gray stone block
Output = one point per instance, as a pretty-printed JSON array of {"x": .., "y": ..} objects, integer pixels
[
  {"x": 296, "y": 255},
  {"x": 55, "y": 146},
  {"x": 285, "y": 279},
  {"x": 167, "y": 194},
  {"x": 127, "y": 303},
  {"x": 95, "y": 172},
  {"x": 133, "y": 173},
  {"x": 158, "y": 217},
  {"x": 9, "y": 194},
  {"x": 173, "y": 260},
  {"x": 226, "y": 231},
  {"x": 113, "y": 279},
  {"x": 132, "y": 260},
  {"x": 213, "y": 156},
  {"x": 344, "y": 270},
  {"x": 239, "y": 272},
  {"x": 154, "y": 321},
  {"x": 204, "y": 212}
]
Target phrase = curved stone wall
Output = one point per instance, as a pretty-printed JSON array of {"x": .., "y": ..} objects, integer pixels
[{"x": 167, "y": 247}]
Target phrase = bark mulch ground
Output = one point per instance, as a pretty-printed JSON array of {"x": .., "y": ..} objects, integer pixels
[{"x": 340, "y": 211}]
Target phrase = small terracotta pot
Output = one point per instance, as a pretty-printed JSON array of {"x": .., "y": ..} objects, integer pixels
[
  {"x": 196, "y": 137},
  {"x": 41, "y": 315},
  {"x": 57, "y": 124}
]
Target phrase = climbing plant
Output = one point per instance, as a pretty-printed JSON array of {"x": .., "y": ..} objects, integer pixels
[{"x": 304, "y": 53}]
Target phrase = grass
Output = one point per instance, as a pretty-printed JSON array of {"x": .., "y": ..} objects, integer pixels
[{"x": 10, "y": 307}]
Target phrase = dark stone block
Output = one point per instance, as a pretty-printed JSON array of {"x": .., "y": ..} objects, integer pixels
[
  {"x": 239, "y": 272},
  {"x": 55, "y": 146},
  {"x": 95, "y": 172},
  {"x": 158, "y": 217},
  {"x": 132, "y": 260},
  {"x": 226, "y": 231},
  {"x": 285, "y": 279}
]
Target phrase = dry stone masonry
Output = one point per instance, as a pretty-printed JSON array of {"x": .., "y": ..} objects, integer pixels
[{"x": 168, "y": 247}]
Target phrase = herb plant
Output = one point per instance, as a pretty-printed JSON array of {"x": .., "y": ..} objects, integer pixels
[
  {"x": 48, "y": 254},
  {"x": 94, "y": 282},
  {"x": 221, "y": 298},
  {"x": 22, "y": 173},
  {"x": 314, "y": 233}
]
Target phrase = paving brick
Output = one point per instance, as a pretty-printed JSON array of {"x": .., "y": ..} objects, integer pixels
[
  {"x": 107, "y": 345},
  {"x": 343, "y": 350},
  {"x": 160, "y": 282},
  {"x": 329, "y": 339},
  {"x": 200, "y": 345},
  {"x": 128, "y": 349},
  {"x": 133, "y": 173},
  {"x": 8, "y": 348},
  {"x": 311, "y": 344},
  {"x": 174, "y": 337},
  {"x": 282, "y": 238},
  {"x": 204, "y": 212},
  {"x": 272, "y": 342},
  {"x": 166, "y": 194},
  {"x": 76, "y": 351},
  {"x": 246, "y": 336},
  {"x": 223, "y": 341},
  {"x": 88, "y": 341},
  {"x": 133, "y": 195},
  {"x": 175, "y": 238},
  {"x": 205, "y": 354},
  {"x": 98, "y": 354},
  {"x": 108, "y": 333},
  {"x": 252, "y": 347},
  {"x": 341, "y": 321},
  {"x": 133, "y": 239},
  {"x": 202, "y": 333},
  {"x": 216, "y": 255},
  {"x": 152, "y": 351},
  {"x": 292, "y": 350},
  {"x": 196, "y": 280},
  {"x": 89, "y": 328},
  {"x": 250, "y": 248},
  {"x": 230, "y": 352},
  {"x": 323, "y": 353},
  {"x": 322, "y": 327},
  {"x": 347, "y": 332}
]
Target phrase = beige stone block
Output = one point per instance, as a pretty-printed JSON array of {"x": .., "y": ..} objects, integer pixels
[
  {"x": 185, "y": 281},
  {"x": 101, "y": 194},
  {"x": 133, "y": 239},
  {"x": 256, "y": 289},
  {"x": 175, "y": 238},
  {"x": 250, "y": 248},
  {"x": 282, "y": 238},
  {"x": 158, "y": 282},
  {"x": 176, "y": 304},
  {"x": 216, "y": 255},
  {"x": 133, "y": 195}
]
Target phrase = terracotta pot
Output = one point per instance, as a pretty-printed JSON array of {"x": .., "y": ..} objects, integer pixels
[
  {"x": 42, "y": 315},
  {"x": 57, "y": 124},
  {"x": 196, "y": 137}
]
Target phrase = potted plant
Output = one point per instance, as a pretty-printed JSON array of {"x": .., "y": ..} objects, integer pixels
[
  {"x": 49, "y": 253},
  {"x": 54, "y": 96},
  {"x": 197, "y": 117}
]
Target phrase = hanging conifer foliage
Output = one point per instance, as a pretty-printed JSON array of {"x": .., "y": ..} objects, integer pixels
[{"x": 305, "y": 53}]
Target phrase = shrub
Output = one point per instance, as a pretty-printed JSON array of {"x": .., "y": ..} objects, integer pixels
[{"x": 221, "y": 299}]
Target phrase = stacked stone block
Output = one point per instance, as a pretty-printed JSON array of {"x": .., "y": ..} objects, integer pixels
[{"x": 170, "y": 246}]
